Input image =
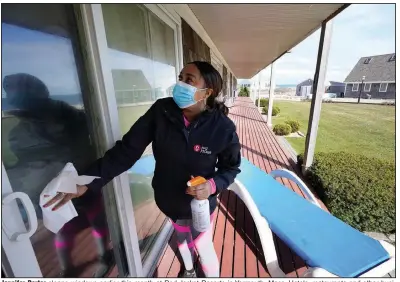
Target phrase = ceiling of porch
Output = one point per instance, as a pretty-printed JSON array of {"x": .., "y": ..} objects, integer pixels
[{"x": 251, "y": 36}]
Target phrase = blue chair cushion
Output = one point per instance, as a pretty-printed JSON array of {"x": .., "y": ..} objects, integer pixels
[
  {"x": 319, "y": 238},
  {"x": 144, "y": 166}
]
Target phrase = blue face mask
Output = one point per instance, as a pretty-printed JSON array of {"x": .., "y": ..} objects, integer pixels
[{"x": 183, "y": 94}]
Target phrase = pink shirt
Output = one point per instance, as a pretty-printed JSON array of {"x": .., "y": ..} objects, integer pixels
[{"x": 211, "y": 181}]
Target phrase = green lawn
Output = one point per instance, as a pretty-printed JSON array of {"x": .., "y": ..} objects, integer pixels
[
  {"x": 364, "y": 129},
  {"x": 129, "y": 115}
]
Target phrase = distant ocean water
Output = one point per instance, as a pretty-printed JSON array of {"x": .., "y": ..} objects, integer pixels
[{"x": 286, "y": 86}]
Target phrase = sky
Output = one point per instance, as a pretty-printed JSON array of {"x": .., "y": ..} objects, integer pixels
[
  {"x": 360, "y": 30},
  {"x": 48, "y": 57}
]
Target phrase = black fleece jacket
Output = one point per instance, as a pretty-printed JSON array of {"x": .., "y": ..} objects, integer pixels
[{"x": 209, "y": 147}]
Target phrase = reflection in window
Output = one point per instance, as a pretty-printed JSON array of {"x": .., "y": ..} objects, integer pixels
[
  {"x": 141, "y": 54},
  {"x": 42, "y": 50},
  {"x": 142, "y": 59},
  {"x": 44, "y": 126}
]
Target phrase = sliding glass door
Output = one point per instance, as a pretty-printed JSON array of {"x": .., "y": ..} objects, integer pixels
[
  {"x": 45, "y": 124},
  {"x": 75, "y": 79},
  {"x": 139, "y": 51},
  {"x": 141, "y": 58}
]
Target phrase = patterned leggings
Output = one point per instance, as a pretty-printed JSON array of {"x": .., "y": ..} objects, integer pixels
[
  {"x": 189, "y": 240},
  {"x": 64, "y": 241}
]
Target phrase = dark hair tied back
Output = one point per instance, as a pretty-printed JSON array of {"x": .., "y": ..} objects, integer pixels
[{"x": 213, "y": 81}]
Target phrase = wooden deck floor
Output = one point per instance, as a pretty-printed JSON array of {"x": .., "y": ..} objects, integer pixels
[{"x": 235, "y": 237}]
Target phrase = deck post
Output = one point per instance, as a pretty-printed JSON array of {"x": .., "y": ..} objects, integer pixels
[
  {"x": 317, "y": 91},
  {"x": 271, "y": 95}
]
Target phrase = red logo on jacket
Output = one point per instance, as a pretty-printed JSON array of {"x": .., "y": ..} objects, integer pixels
[{"x": 202, "y": 150}]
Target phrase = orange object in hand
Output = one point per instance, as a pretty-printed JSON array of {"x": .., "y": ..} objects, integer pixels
[{"x": 196, "y": 181}]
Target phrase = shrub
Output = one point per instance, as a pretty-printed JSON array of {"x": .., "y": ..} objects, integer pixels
[
  {"x": 282, "y": 129},
  {"x": 263, "y": 102},
  {"x": 357, "y": 189},
  {"x": 244, "y": 92},
  {"x": 294, "y": 124},
  {"x": 275, "y": 110}
]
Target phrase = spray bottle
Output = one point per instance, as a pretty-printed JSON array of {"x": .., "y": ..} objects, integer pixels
[{"x": 200, "y": 208}]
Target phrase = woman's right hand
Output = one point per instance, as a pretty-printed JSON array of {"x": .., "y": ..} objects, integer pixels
[{"x": 64, "y": 198}]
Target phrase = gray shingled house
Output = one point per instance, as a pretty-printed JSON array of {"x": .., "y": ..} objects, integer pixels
[
  {"x": 304, "y": 88},
  {"x": 379, "y": 74}
]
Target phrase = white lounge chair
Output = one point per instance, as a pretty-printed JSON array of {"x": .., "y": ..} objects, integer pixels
[{"x": 328, "y": 246}]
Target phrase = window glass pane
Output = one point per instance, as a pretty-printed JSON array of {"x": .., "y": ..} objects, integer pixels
[
  {"x": 163, "y": 51},
  {"x": 45, "y": 125},
  {"x": 142, "y": 58}
]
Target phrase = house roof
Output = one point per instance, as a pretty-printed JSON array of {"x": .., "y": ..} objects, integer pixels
[
  {"x": 378, "y": 69},
  {"x": 307, "y": 81}
]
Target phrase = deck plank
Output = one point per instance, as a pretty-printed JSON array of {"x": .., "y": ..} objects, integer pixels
[
  {"x": 239, "y": 254},
  {"x": 251, "y": 259},
  {"x": 229, "y": 238},
  {"x": 219, "y": 233}
]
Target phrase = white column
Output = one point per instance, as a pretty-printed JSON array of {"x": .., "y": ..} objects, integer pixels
[
  {"x": 318, "y": 91},
  {"x": 271, "y": 95}
]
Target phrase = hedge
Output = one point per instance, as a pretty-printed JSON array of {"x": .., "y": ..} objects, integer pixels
[
  {"x": 275, "y": 110},
  {"x": 282, "y": 129},
  {"x": 294, "y": 125},
  {"x": 263, "y": 102},
  {"x": 357, "y": 189}
]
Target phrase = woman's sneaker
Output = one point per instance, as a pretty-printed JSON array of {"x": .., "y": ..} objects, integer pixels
[
  {"x": 66, "y": 273},
  {"x": 104, "y": 265},
  {"x": 189, "y": 274}
]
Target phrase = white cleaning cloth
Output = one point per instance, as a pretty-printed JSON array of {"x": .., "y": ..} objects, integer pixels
[{"x": 65, "y": 182}]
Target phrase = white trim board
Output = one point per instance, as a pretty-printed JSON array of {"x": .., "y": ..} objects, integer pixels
[
  {"x": 385, "y": 88},
  {"x": 353, "y": 88},
  {"x": 184, "y": 11}
]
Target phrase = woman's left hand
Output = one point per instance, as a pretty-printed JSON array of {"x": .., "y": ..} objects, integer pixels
[{"x": 200, "y": 192}]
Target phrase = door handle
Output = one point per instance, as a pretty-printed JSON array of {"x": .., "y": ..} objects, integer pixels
[{"x": 30, "y": 211}]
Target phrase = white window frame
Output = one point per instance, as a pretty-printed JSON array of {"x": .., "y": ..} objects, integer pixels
[
  {"x": 353, "y": 88},
  {"x": 94, "y": 29},
  {"x": 367, "y": 89},
  {"x": 385, "y": 88}
]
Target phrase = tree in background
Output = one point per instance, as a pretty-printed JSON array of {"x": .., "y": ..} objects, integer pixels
[{"x": 244, "y": 92}]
